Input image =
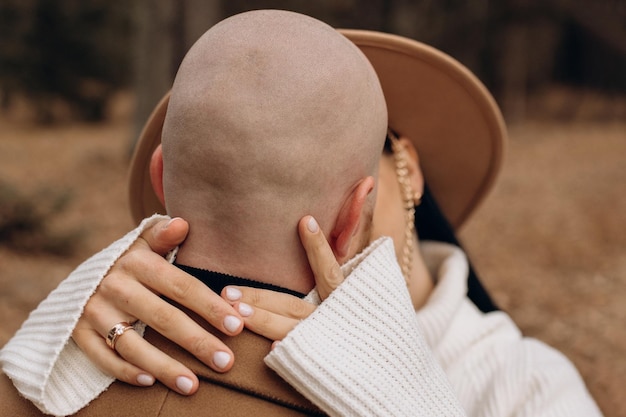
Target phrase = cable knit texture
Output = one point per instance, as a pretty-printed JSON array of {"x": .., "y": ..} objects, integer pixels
[
  {"x": 42, "y": 360},
  {"x": 361, "y": 350},
  {"x": 364, "y": 351}
]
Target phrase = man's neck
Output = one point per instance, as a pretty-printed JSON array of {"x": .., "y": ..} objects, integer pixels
[
  {"x": 217, "y": 280},
  {"x": 267, "y": 268}
]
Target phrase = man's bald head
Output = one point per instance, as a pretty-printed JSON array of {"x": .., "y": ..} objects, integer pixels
[{"x": 273, "y": 115}]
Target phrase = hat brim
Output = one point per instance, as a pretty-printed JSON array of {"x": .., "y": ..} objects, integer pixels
[{"x": 432, "y": 99}]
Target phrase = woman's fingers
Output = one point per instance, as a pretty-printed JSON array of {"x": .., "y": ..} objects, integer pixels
[
  {"x": 165, "y": 235},
  {"x": 165, "y": 318},
  {"x": 135, "y": 360},
  {"x": 144, "y": 263},
  {"x": 92, "y": 344},
  {"x": 176, "y": 326},
  {"x": 268, "y": 313},
  {"x": 149, "y": 273},
  {"x": 132, "y": 291},
  {"x": 151, "y": 361},
  {"x": 274, "y": 314},
  {"x": 279, "y": 303},
  {"x": 265, "y": 323},
  {"x": 135, "y": 349},
  {"x": 328, "y": 275},
  {"x": 140, "y": 265}
]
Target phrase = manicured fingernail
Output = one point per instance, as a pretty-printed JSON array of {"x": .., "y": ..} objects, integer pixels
[
  {"x": 245, "y": 310},
  {"x": 170, "y": 222},
  {"x": 232, "y": 323},
  {"x": 184, "y": 384},
  {"x": 312, "y": 225},
  {"x": 233, "y": 294},
  {"x": 221, "y": 359},
  {"x": 145, "y": 380}
]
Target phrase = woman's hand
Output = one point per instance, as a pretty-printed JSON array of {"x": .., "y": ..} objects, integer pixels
[
  {"x": 273, "y": 314},
  {"x": 131, "y": 291}
]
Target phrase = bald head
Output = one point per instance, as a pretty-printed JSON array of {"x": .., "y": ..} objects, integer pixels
[{"x": 273, "y": 115}]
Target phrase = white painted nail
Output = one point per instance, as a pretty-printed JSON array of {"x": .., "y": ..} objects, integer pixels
[
  {"x": 221, "y": 359},
  {"x": 233, "y": 294},
  {"x": 312, "y": 225},
  {"x": 170, "y": 222},
  {"x": 232, "y": 323},
  {"x": 245, "y": 310},
  {"x": 184, "y": 384},
  {"x": 145, "y": 380}
]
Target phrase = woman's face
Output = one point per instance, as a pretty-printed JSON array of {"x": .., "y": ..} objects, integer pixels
[{"x": 389, "y": 213}]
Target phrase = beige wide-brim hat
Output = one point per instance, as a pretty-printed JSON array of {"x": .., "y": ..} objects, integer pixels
[{"x": 432, "y": 99}]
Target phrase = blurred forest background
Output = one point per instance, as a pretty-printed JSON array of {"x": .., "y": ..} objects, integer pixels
[
  {"x": 80, "y": 53},
  {"x": 79, "y": 78}
]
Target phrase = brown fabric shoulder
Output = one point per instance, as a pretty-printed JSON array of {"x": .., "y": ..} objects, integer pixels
[{"x": 250, "y": 388}]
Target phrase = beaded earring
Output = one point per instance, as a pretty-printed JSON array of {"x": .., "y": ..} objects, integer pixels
[{"x": 409, "y": 197}]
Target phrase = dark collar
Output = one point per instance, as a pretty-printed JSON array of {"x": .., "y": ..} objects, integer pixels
[{"x": 217, "y": 281}]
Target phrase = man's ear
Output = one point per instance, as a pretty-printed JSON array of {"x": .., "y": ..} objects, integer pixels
[
  {"x": 156, "y": 173},
  {"x": 348, "y": 220}
]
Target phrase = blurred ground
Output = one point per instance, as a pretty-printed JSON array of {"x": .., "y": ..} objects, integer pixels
[{"x": 549, "y": 242}]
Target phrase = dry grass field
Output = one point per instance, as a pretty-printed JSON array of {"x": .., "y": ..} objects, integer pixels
[{"x": 549, "y": 242}]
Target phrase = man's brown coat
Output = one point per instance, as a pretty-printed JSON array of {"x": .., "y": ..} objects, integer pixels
[{"x": 250, "y": 388}]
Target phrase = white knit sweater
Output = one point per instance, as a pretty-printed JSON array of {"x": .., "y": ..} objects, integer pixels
[
  {"x": 42, "y": 360},
  {"x": 364, "y": 351}
]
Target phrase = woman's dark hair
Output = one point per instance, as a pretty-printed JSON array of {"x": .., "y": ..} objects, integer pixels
[{"x": 431, "y": 224}]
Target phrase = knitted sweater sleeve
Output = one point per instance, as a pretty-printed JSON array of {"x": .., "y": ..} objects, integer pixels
[
  {"x": 362, "y": 352},
  {"x": 42, "y": 360}
]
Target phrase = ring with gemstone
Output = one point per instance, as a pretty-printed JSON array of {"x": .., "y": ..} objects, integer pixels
[{"x": 116, "y": 331}]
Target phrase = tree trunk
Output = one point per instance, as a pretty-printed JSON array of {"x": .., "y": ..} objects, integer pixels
[{"x": 164, "y": 32}]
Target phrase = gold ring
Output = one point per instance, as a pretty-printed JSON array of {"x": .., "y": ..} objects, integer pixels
[{"x": 116, "y": 331}]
